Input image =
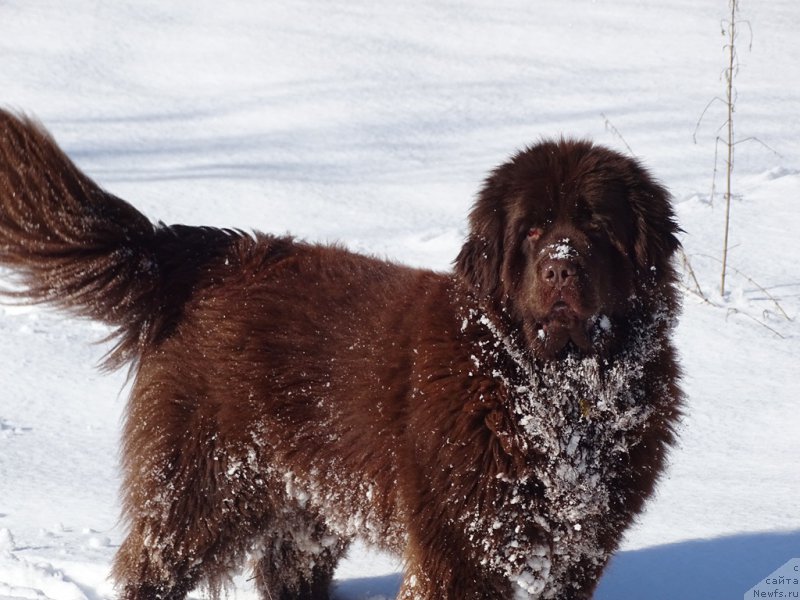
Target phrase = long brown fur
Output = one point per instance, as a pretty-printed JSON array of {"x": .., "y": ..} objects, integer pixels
[{"x": 498, "y": 426}]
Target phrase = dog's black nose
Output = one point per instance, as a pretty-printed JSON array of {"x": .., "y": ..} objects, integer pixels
[{"x": 558, "y": 272}]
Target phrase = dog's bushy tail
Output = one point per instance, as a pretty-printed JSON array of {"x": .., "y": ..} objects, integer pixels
[{"x": 71, "y": 244}]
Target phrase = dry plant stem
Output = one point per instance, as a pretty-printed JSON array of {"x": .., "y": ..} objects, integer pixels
[
  {"x": 729, "y": 78},
  {"x": 755, "y": 283},
  {"x": 731, "y": 311},
  {"x": 694, "y": 292},
  {"x": 610, "y": 127},
  {"x": 736, "y": 311},
  {"x": 688, "y": 266}
]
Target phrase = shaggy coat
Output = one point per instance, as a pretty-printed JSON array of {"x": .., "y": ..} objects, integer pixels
[{"x": 498, "y": 426}]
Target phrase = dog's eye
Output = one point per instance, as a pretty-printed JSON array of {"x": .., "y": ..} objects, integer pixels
[{"x": 534, "y": 233}]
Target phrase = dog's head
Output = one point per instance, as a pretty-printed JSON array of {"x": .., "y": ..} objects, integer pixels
[{"x": 566, "y": 239}]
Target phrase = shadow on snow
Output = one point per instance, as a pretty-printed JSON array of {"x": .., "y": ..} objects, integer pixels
[{"x": 714, "y": 569}]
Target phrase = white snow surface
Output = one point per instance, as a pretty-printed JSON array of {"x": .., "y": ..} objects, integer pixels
[{"x": 372, "y": 123}]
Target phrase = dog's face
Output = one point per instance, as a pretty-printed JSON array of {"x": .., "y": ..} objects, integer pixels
[{"x": 565, "y": 238}]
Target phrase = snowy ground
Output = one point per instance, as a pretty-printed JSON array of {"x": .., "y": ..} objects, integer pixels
[{"x": 372, "y": 122}]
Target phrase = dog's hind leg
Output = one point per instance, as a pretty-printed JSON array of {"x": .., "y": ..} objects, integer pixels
[
  {"x": 189, "y": 527},
  {"x": 298, "y": 559},
  {"x": 180, "y": 536},
  {"x": 193, "y": 497}
]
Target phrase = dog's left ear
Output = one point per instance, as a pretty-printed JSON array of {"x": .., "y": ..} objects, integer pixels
[
  {"x": 480, "y": 261},
  {"x": 656, "y": 238}
]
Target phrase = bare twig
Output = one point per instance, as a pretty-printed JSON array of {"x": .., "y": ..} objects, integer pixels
[
  {"x": 610, "y": 127},
  {"x": 736, "y": 311},
  {"x": 753, "y": 138},
  {"x": 694, "y": 292},
  {"x": 703, "y": 114},
  {"x": 730, "y": 310},
  {"x": 714, "y": 175},
  {"x": 688, "y": 266},
  {"x": 755, "y": 283},
  {"x": 750, "y": 28}
]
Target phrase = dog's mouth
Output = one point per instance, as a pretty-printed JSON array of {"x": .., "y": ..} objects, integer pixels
[{"x": 565, "y": 329}]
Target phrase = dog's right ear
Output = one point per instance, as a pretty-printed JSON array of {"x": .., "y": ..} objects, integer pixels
[{"x": 480, "y": 261}]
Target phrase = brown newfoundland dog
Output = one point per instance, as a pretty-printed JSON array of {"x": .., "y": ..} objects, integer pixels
[{"x": 498, "y": 426}]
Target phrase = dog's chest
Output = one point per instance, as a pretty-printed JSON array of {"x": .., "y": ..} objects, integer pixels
[{"x": 576, "y": 423}]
